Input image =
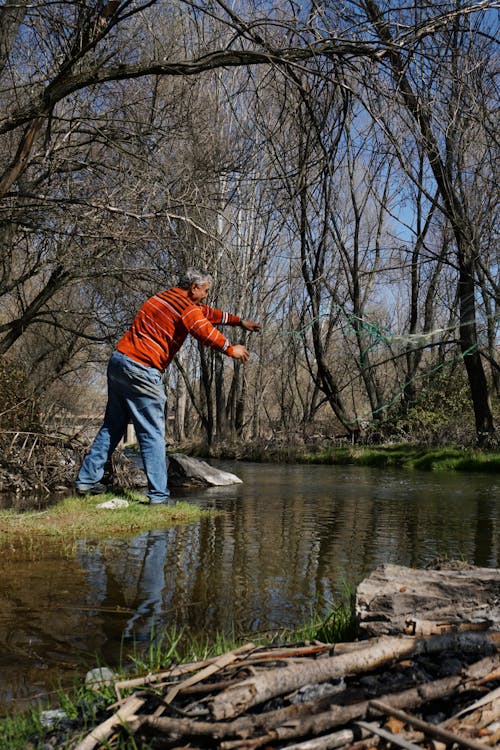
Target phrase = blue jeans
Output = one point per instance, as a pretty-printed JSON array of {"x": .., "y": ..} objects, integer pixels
[{"x": 136, "y": 394}]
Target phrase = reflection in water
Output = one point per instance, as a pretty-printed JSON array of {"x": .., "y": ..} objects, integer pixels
[{"x": 288, "y": 540}]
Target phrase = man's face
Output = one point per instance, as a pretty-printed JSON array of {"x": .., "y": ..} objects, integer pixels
[{"x": 199, "y": 292}]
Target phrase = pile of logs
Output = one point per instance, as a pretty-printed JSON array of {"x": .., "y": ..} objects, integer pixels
[{"x": 439, "y": 690}]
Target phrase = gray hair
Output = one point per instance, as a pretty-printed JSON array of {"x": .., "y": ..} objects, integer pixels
[{"x": 193, "y": 276}]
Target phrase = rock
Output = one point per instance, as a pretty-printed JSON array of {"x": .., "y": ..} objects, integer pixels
[
  {"x": 395, "y": 599},
  {"x": 113, "y": 504},
  {"x": 48, "y": 719},
  {"x": 182, "y": 471},
  {"x": 95, "y": 677},
  {"x": 187, "y": 470}
]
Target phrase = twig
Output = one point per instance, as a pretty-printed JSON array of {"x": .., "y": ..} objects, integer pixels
[
  {"x": 219, "y": 663},
  {"x": 431, "y": 729},
  {"x": 393, "y": 738},
  {"x": 494, "y": 695}
]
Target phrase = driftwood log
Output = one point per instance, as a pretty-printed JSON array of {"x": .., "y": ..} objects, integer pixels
[
  {"x": 126, "y": 470},
  {"x": 457, "y": 596}
]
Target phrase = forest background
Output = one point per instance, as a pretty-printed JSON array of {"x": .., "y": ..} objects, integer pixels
[{"x": 335, "y": 167}]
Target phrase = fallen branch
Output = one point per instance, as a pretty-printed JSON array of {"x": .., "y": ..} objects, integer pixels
[
  {"x": 333, "y": 740},
  {"x": 386, "y": 735},
  {"x": 159, "y": 678},
  {"x": 101, "y": 733},
  {"x": 218, "y": 664}
]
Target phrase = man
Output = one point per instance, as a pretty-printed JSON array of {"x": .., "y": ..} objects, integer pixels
[{"x": 135, "y": 390}]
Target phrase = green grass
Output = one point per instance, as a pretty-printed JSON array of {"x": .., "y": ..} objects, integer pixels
[
  {"x": 76, "y": 518},
  {"x": 337, "y": 626},
  {"x": 409, "y": 457}
]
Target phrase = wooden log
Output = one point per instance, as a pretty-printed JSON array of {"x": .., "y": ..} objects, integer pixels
[
  {"x": 184, "y": 469},
  {"x": 395, "y": 599},
  {"x": 243, "y": 726},
  {"x": 271, "y": 683},
  {"x": 341, "y": 715}
]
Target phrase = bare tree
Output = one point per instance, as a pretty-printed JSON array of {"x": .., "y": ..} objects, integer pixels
[{"x": 443, "y": 151}]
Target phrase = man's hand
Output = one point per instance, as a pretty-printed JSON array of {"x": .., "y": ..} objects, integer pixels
[
  {"x": 248, "y": 325},
  {"x": 240, "y": 352}
]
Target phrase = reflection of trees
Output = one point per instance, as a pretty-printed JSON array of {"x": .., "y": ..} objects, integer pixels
[
  {"x": 289, "y": 538},
  {"x": 487, "y": 530}
]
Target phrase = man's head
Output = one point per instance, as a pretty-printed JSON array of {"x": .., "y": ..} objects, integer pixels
[{"x": 196, "y": 283}]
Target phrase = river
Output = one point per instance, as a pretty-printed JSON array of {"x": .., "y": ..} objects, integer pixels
[{"x": 287, "y": 541}]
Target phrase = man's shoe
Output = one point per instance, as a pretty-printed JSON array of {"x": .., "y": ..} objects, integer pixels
[
  {"x": 164, "y": 501},
  {"x": 91, "y": 489}
]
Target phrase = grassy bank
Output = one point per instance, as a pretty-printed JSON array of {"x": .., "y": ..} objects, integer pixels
[
  {"x": 410, "y": 457},
  {"x": 83, "y": 708},
  {"x": 404, "y": 456},
  {"x": 75, "y": 518}
]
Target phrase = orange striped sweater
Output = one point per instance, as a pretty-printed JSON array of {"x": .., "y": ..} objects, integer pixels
[{"x": 162, "y": 324}]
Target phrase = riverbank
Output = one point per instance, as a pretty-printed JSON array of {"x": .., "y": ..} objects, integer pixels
[
  {"x": 411, "y": 457},
  {"x": 403, "y": 456},
  {"x": 433, "y": 661},
  {"x": 51, "y": 467}
]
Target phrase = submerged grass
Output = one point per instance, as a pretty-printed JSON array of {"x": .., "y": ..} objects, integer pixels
[
  {"x": 409, "y": 457},
  {"x": 84, "y": 708},
  {"x": 76, "y": 518}
]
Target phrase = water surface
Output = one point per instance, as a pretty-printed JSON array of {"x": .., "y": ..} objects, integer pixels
[{"x": 287, "y": 541}]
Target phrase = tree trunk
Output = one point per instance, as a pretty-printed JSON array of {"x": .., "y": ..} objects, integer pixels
[
  {"x": 206, "y": 388},
  {"x": 220, "y": 398},
  {"x": 469, "y": 346},
  {"x": 180, "y": 405}
]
